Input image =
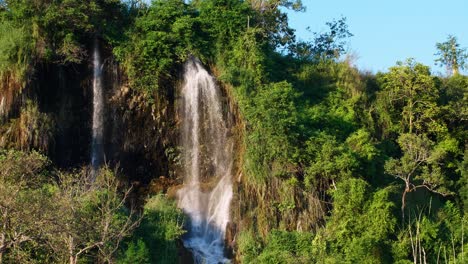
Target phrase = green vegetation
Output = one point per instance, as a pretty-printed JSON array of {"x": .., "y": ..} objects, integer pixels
[
  {"x": 451, "y": 55},
  {"x": 15, "y": 50},
  {"x": 50, "y": 216},
  {"x": 335, "y": 165},
  {"x": 155, "y": 240}
]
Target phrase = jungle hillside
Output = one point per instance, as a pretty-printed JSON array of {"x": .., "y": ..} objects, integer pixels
[{"x": 206, "y": 131}]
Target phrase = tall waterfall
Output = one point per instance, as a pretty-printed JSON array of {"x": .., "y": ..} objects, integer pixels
[
  {"x": 97, "y": 153},
  {"x": 207, "y": 190}
]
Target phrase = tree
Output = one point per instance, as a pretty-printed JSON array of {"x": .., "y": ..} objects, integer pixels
[
  {"x": 408, "y": 100},
  {"x": 420, "y": 165},
  {"x": 91, "y": 215},
  {"x": 408, "y": 106},
  {"x": 21, "y": 216},
  {"x": 160, "y": 39},
  {"x": 451, "y": 55},
  {"x": 51, "y": 221},
  {"x": 325, "y": 46},
  {"x": 61, "y": 28},
  {"x": 273, "y": 22}
]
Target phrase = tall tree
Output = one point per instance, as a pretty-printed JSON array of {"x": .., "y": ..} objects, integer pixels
[
  {"x": 408, "y": 105},
  {"x": 451, "y": 55},
  {"x": 329, "y": 45}
]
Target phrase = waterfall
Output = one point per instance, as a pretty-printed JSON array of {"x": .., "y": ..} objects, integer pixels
[
  {"x": 207, "y": 155},
  {"x": 98, "y": 111},
  {"x": 2, "y": 108}
]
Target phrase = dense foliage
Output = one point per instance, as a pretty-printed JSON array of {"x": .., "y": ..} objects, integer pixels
[
  {"x": 155, "y": 240},
  {"x": 335, "y": 165},
  {"x": 58, "y": 217}
]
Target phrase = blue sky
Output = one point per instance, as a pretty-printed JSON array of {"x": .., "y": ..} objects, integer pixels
[{"x": 386, "y": 31}]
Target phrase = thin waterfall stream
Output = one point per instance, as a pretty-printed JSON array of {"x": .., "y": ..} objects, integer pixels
[
  {"x": 97, "y": 153},
  {"x": 208, "y": 159}
]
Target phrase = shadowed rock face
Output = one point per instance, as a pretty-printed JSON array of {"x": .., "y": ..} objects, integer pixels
[
  {"x": 63, "y": 93},
  {"x": 208, "y": 158}
]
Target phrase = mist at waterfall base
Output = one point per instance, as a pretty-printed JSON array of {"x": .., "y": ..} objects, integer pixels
[
  {"x": 98, "y": 111},
  {"x": 207, "y": 155}
]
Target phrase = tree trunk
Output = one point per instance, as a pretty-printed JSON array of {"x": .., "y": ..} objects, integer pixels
[
  {"x": 411, "y": 111},
  {"x": 403, "y": 199},
  {"x": 73, "y": 257}
]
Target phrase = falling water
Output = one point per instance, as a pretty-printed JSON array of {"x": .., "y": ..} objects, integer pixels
[
  {"x": 208, "y": 163},
  {"x": 98, "y": 106},
  {"x": 2, "y": 107}
]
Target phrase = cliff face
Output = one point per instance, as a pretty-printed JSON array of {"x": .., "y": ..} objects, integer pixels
[
  {"x": 56, "y": 95},
  {"x": 141, "y": 133},
  {"x": 137, "y": 133},
  {"x": 64, "y": 94}
]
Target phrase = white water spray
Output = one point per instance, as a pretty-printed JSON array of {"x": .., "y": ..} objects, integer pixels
[
  {"x": 98, "y": 111},
  {"x": 2, "y": 107},
  {"x": 208, "y": 159}
]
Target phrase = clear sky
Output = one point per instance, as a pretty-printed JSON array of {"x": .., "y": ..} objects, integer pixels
[{"x": 386, "y": 31}]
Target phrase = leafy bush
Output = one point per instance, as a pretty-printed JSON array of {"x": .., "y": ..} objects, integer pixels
[
  {"x": 136, "y": 252},
  {"x": 160, "y": 230},
  {"x": 160, "y": 40},
  {"x": 80, "y": 217},
  {"x": 280, "y": 247},
  {"x": 16, "y": 51},
  {"x": 274, "y": 131}
]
